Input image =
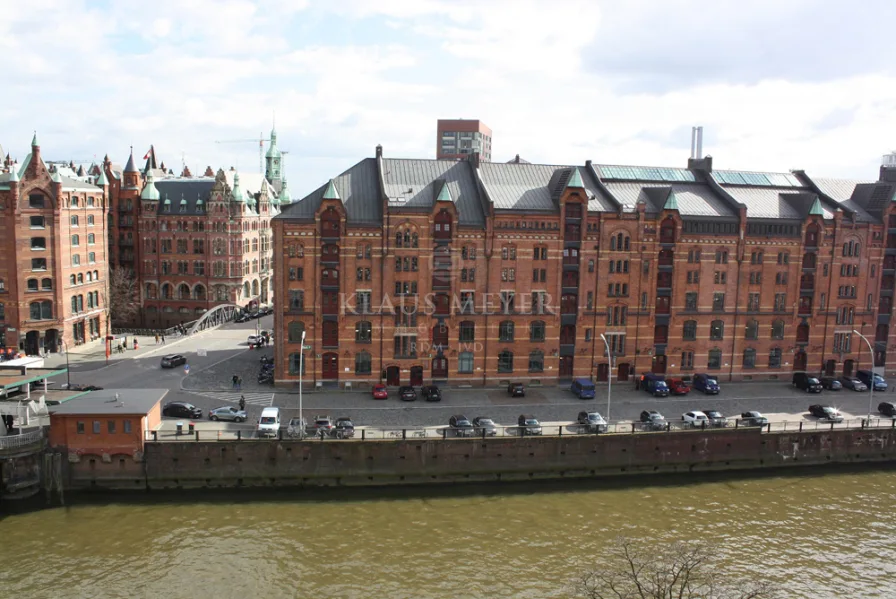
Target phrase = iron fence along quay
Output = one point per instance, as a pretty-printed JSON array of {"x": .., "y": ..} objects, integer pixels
[{"x": 248, "y": 432}]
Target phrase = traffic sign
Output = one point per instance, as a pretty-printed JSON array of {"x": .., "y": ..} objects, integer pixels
[{"x": 306, "y": 347}]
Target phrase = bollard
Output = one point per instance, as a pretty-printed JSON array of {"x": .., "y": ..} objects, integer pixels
[
  {"x": 279, "y": 434},
  {"x": 736, "y": 422},
  {"x": 769, "y": 427},
  {"x": 363, "y": 434},
  {"x": 668, "y": 426},
  {"x": 404, "y": 434},
  {"x": 180, "y": 428},
  {"x": 444, "y": 432},
  {"x": 560, "y": 428},
  {"x": 192, "y": 426},
  {"x": 155, "y": 435},
  {"x": 832, "y": 425},
  {"x": 801, "y": 426},
  {"x": 703, "y": 424},
  {"x": 239, "y": 434},
  {"x": 197, "y": 435}
]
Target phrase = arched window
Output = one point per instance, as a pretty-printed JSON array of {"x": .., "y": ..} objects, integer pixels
[
  {"x": 166, "y": 291},
  {"x": 362, "y": 363},
  {"x": 363, "y": 332},
  {"x": 749, "y": 358},
  {"x": 32, "y": 285},
  {"x": 778, "y": 329},
  {"x": 536, "y": 361},
  {"x": 71, "y": 280},
  {"x": 537, "y": 331},
  {"x": 80, "y": 278},
  {"x": 296, "y": 362},
  {"x": 150, "y": 291},
  {"x": 199, "y": 292},
  {"x": 183, "y": 291},
  {"x": 329, "y": 223},
  {"x": 42, "y": 310},
  {"x": 717, "y": 330},
  {"x": 246, "y": 289},
  {"x": 465, "y": 362},
  {"x": 505, "y": 361},
  {"x": 505, "y": 331},
  {"x": 689, "y": 330},
  {"x": 76, "y": 240},
  {"x": 329, "y": 253},
  {"x": 89, "y": 276},
  {"x": 752, "y": 330},
  {"x": 91, "y": 239},
  {"x": 89, "y": 220}
]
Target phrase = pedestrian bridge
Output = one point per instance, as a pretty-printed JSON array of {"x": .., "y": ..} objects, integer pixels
[{"x": 213, "y": 318}]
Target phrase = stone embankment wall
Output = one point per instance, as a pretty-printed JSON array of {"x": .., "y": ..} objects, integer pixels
[{"x": 356, "y": 463}]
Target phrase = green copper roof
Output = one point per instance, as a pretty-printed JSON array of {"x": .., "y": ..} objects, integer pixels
[
  {"x": 14, "y": 174},
  {"x": 34, "y": 140},
  {"x": 575, "y": 180},
  {"x": 167, "y": 202},
  {"x": 284, "y": 198},
  {"x": 330, "y": 193},
  {"x": 444, "y": 194},
  {"x": 150, "y": 191},
  {"x": 55, "y": 177},
  {"x": 671, "y": 202},
  {"x": 273, "y": 150},
  {"x": 236, "y": 192},
  {"x": 102, "y": 180},
  {"x": 183, "y": 201},
  {"x": 816, "y": 210}
]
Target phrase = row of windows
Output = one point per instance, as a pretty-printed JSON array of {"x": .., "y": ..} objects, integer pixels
[
  {"x": 364, "y": 361},
  {"x": 717, "y": 330},
  {"x": 466, "y": 331},
  {"x": 111, "y": 427},
  {"x": 758, "y": 257},
  {"x": 92, "y": 275}
]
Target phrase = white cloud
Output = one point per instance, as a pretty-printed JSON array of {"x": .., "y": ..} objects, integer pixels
[{"x": 558, "y": 82}]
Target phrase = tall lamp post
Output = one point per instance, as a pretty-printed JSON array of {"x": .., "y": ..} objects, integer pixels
[
  {"x": 871, "y": 385},
  {"x": 68, "y": 372},
  {"x": 301, "y": 368},
  {"x": 609, "y": 374}
]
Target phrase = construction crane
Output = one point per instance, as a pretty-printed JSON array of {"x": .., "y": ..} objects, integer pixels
[{"x": 260, "y": 141}]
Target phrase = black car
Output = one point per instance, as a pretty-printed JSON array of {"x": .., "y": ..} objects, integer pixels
[
  {"x": 715, "y": 418},
  {"x": 886, "y": 408},
  {"x": 344, "y": 428},
  {"x": 485, "y": 425},
  {"x": 516, "y": 390},
  {"x": 653, "y": 420},
  {"x": 831, "y": 383},
  {"x": 461, "y": 426},
  {"x": 807, "y": 383},
  {"x": 244, "y": 317},
  {"x": 528, "y": 425},
  {"x": 826, "y": 413},
  {"x": 180, "y": 409},
  {"x": 173, "y": 360},
  {"x": 407, "y": 393},
  {"x": 431, "y": 393}
]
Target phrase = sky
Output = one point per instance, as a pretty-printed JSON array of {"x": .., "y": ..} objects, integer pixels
[{"x": 776, "y": 85}]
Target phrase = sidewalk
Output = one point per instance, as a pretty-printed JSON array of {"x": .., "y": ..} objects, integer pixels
[{"x": 92, "y": 356}]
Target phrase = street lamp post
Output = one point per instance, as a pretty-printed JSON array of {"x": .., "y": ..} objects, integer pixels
[
  {"x": 301, "y": 368},
  {"x": 609, "y": 374},
  {"x": 871, "y": 384},
  {"x": 68, "y": 372}
]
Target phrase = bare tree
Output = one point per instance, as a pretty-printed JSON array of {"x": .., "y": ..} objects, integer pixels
[
  {"x": 124, "y": 295},
  {"x": 680, "y": 571}
]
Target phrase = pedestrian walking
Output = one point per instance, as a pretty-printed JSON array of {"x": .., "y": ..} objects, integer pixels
[
  {"x": 157, "y": 338},
  {"x": 163, "y": 339},
  {"x": 242, "y": 402},
  {"x": 234, "y": 380},
  {"x": 239, "y": 383},
  {"x": 135, "y": 344}
]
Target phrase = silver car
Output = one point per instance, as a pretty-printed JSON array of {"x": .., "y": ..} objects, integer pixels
[
  {"x": 227, "y": 413},
  {"x": 485, "y": 425}
]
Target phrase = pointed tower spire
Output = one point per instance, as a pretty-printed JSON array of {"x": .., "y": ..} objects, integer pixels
[
  {"x": 671, "y": 202},
  {"x": 816, "y": 209},
  {"x": 575, "y": 180},
  {"x": 150, "y": 191},
  {"x": 330, "y": 192},
  {"x": 236, "y": 192},
  {"x": 129, "y": 167},
  {"x": 34, "y": 142},
  {"x": 284, "y": 198}
]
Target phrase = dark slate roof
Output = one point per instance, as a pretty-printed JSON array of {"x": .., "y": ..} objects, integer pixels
[
  {"x": 524, "y": 186},
  {"x": 129, "y": 402},
  {"x": 190, "y": 190},
  {"x": 359, "y": 189},
  {"x": 412, "y": 183},
  {"x": 129, "y": 167}
]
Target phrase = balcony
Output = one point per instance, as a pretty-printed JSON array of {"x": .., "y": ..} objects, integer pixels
[
  {"x": 329, "y": 278},
  {"x": 664, "y": 280},
  {"x": 809, "y": 261},
  {"x": 807, "y": 283},
  {"x": 805, "y": 306}
]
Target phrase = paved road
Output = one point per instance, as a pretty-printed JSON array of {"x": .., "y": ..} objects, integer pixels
[{"x": 226, "y": 352}]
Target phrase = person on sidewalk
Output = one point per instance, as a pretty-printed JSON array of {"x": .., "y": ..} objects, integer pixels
[
  {"x": 157, "y": 338},
  {"x": 163, "y": 339},
  {"x": 234, "y": 381},
  {"x": 135, "y": 344},
  {"x": 242, "y": 402},
  {"x": 239, "y": 383}
]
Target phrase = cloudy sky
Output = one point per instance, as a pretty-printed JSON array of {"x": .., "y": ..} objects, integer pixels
[{"x": 776, "y": 84}]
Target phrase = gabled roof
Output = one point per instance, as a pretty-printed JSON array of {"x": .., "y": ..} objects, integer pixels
[
  {"x": 330, "y": 192},
  {"x": 524, "y": 186},
  {"x": 358, "y": 187},
  {"x": 815, "y": 209},
  {"x": 188, "y": 190},
  {"x": 575, "y": 179},
  {"x": 409, "y": 184}
]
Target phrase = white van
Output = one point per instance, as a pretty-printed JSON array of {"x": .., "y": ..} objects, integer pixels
[{"x": 269, "y": 423}]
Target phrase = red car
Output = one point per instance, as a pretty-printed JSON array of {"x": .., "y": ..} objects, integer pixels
[
  {"x": 380, "y": 392},
  {"x": 678, "y": 387}
]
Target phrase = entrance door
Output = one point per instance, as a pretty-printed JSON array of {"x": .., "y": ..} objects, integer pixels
[
  {"x": 51, "y": 340},
  {"x": 829, "y": 367},
  {"x": 659, "y": 365},
  {"x": 622, "y": 372},
  {"x": 848, "y": 367},
  {"x": 603, "y": 372},
  {"x": 565, "y": 367},
  {"x": 330, "y": 366},
  {"x": 393, "y": 376},
  {"x": 32, "y": 343},
  {"x": 799, "y": 362},
  {"x": 440, "y": 367},
  {"x": 416, "y": 376}
]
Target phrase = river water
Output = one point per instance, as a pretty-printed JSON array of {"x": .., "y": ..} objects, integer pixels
[{"x": 815, "y": 536}]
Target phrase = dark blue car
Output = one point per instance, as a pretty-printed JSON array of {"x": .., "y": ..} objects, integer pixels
[{"x": 706, "y": 383}]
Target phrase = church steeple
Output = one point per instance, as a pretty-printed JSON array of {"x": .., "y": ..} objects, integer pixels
[{"x": 273, "y": 162}]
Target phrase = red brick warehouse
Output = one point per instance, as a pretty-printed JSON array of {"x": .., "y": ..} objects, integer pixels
[{"x": 518, "y": 269}]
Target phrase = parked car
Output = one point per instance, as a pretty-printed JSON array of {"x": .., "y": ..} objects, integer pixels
[
  {"x": 887, "y": 408},
  {"x": 254, "y": 339},
  {"x": 321, "y": 422},
  {"x": 407, "y": 393},
  {"x": 431, "y": 393},
  {"x": 655, "y": 384},
  {"x": 296, "y": 427},
  {"x": 707, "y": 384},
  {"x": 486, "y": 425},
  {"x": 244, "y": 317},
  {"x": 227, "y": 413},
  {"x": 516, "y": 390},
  {"x": 181, "y": 409},
  {"x": 807, "y": 383},
  {"x": 715, "y": 418},
  {"x": 583, "y": 388},
  {"x": 461, "y": 426},
  {"x": 344, "y": 429},
  {"x": 592, "y": 422},
  {"x": 173, "y": 360},
  {"x": 866, "y": 376},
  {"x": 753, "y": 418},
  {"x": 830, "y": 383},
  {"x": 653, "y": 420},
  {"x": 850, "y": 382},
  {"x": 678, "y": 387},
  {"x": 695, "y": 418},
  {"x": 826, "y": 413},
  {"x": 380, "y": 392},
  {"x": 269, "y": 423},
  {"x": 528, "y": 425}
]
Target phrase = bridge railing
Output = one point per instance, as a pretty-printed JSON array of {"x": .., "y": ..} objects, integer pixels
[{"x": 21, "y": 440}]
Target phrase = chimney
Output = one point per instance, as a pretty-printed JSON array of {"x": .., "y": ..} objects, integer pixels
[
  {"x": 379, "y": 151},
  {"x": 888, "y": 167},
  {"x": 697, "y": 143},
  {"x": 474, "y": 159}
]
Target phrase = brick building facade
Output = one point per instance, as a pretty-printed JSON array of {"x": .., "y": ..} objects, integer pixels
[
  {"x": 517, "y": 270},
  {"x": 53, "y": 268}
]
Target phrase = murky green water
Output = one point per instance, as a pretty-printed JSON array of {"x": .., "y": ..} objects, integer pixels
[{"x": 817, "y": 536}]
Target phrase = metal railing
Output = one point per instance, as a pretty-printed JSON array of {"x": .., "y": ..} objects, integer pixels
[
  {"x": 21, "y": 440},
  {"x": 248, "y": 432}
]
